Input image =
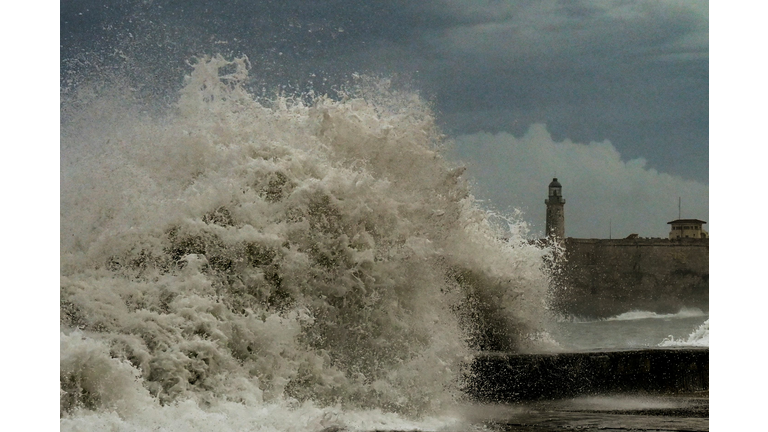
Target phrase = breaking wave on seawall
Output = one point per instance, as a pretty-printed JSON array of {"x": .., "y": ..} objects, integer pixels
[
  {"x": 635, "y": 315},
  {"x": 638, "y": 315},
  {"x": 235, "y": 264},
  {"x": 698, "y": 338}
]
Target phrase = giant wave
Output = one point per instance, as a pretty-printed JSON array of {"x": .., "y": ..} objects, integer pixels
[{"x": 291, "y": 264}]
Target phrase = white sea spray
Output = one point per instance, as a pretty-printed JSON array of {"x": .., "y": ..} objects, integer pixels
[
  {"x": 698, "y": 338},
  {"x": 285, "y": 266}
]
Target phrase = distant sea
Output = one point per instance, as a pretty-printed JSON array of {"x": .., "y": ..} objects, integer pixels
[{"x": 637, "y": 329}]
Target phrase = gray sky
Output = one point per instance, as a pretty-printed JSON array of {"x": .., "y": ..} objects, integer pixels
[{"x": 609, "y": 96}]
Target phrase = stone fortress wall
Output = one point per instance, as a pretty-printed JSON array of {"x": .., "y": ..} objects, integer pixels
[{"x": 600, "y": 278}]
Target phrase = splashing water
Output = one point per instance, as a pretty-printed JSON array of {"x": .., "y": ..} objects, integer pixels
[
  {"x": 275, "y": 266},
  {"x": 698, "y": 338},
  {"x": 684, "y": 312}
]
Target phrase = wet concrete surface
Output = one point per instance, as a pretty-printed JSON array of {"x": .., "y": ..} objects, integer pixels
[
  {"x": 625, "y": 390},
  {"x": 680, "y": 412}
]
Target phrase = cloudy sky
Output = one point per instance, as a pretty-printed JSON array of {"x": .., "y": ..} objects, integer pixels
[{"x": 611, "y": 97}]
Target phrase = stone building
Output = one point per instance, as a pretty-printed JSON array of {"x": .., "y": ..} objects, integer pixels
[
  {"x": 600, "y": 278},
  {"x": 687, "y": 228},
  {"x": 555, "y": 212}
]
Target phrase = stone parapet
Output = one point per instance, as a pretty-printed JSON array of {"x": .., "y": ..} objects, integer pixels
[
  {"x": 600, "y": 278},
  {"x": 507, "y": 377}
]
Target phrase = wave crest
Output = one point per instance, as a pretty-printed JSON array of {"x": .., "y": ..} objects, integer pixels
[{"x": 323, "y": 252}]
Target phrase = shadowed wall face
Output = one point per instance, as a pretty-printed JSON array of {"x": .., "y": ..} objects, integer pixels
[
  {"x": 505, "y": 377},
  {"x": 604, "y": 278}
]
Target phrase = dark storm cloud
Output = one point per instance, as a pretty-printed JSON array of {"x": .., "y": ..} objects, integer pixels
[
  {"x": 285, "y": 39},
  {"x": 632, "y": 72}
]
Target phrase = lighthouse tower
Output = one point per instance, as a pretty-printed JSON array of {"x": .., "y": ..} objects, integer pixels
[{"x": 555, "y": 213}]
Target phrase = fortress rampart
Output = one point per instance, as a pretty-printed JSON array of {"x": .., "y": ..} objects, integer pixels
[{"x": 600, "y": 278}]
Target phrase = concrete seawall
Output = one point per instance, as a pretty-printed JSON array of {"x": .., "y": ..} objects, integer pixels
[
  {"x": 602, "y": 278},
  {"x": 505, "y": 377}
]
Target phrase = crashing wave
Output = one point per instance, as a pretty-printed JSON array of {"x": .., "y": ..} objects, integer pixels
[
  {"x": 292, "y": 254},
  {"x": 698, "y": 338}
]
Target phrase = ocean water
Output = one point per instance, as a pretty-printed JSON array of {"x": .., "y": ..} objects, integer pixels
[
  {"x": 634, "y": 330},
  {"x": 293, "y": 263}
]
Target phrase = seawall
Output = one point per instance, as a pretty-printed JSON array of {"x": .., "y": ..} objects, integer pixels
[
  {"x": 507, "y": 377},
  {"x": 602, "y": 278}
]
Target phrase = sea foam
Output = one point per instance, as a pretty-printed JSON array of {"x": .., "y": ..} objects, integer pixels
[
  {"x": 297, "y": 263},
  {"x": 698, "y": 338}
]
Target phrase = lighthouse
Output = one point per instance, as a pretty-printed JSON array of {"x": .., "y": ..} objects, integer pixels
[{"x": 555, "y": 213}]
